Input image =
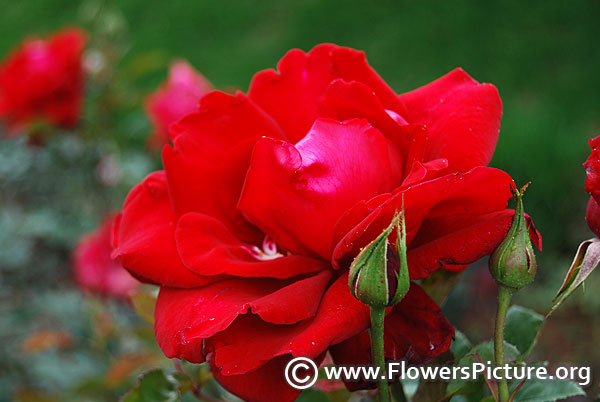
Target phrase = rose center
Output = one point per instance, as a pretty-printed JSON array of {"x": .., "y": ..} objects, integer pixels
[{"x": 267, "y": 252}]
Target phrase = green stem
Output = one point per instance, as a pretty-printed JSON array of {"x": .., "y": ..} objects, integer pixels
[
  {"x": 377, "y": 349},
  {"x": 504, "y": 296}
]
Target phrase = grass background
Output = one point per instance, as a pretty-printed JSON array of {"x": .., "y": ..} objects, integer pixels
[{"x": 543, "y": 56}]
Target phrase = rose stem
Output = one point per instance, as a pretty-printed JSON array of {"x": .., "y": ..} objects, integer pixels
[
  {"x": 377, "y": 350},
  {"x": 504, "y": 296}
]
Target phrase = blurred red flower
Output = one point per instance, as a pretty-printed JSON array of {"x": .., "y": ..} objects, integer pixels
[
  {"x": 179, "y": 96},
  {"x": 592, "y": 186},
  {"x": 43, "y": 80},
  {"x": 95, "y": 271},
  {"x": 266, "y": 198}
]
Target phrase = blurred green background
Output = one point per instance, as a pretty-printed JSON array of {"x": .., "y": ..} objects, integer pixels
[{"x": 543, "y": 56}]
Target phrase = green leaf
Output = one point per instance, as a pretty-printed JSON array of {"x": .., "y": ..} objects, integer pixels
[
  {"x": 522, "y": 329},
  {"x": 430, "y": 391},
  {"x": 485, "y": 350},
  {"x": 460, "y": 345},
  {"x": 584, "y": 263},
  {"x": 475, "y": 397},
  {"x": 398, "y": 393},
  {"x": 310, "y": 395},
  {"x": 547, "y": 390},
  {"x": 153, "y": 386}
]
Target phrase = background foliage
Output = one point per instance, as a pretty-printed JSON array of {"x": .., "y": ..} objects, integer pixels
[{"x": 543, "y": 57}]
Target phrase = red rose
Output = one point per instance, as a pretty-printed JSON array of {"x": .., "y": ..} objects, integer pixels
[
  {"x": 95, "y": 271},
  {"x": 43, "y": 79},
  {"x": 592, "y": 186},
  {"x": 178, "y": 97},
  {"x": 267, "y": 197}
]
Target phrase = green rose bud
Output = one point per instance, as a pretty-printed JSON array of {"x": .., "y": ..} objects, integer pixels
[
  {"x": 379, "y": 274},
  {"x": 513, "y": 262}
]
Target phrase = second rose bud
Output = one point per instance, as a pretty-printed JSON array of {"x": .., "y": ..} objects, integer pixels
[{"x": 379, "y": 274}]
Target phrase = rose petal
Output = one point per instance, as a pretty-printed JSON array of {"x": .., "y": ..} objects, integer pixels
[
  {"x": 339, "y": 317},
  {"x": 207, "y": 247},
  {"x": 592, "y": 170},
  {"x": 265, "y": 384},
  {"x": 479, "y": 191},
  {"x": 592, "y": 216},
  {"x": 144, "y": 237},
  {"x": 184, "y": 317},
  {"x": 295, "y": 302},
  {"x": 420, "y": 172},
  {"x": 212, "y": 150},
  {"x": 347, "y": 100},
  {"x": 462, "y": 117},
  {"x": 292, "y": 95},
  {"x": 297, "y": 193},
  {"x": 249, "y": 333},
  {"x": 456, "y": 241}
]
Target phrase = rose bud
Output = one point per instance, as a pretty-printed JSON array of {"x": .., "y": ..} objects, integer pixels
[
  {"x": 592, "y": 216},
  {"x": 379, "y": 274},
  {"x": 513, "y": 262}
]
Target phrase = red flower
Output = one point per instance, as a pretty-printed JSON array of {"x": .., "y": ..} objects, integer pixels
[
  {"x": 592, "y": 186},
  {"x": 43, "y": 79},
  {"x": 95, "y": 270},
  {"x": 178, "y": 97},
  {"x": 267, "y": 197}
]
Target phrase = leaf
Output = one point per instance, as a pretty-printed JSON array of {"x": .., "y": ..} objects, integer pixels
[
  {"x": 585, "y": 261},
  {"x": 153, "y": 386},
  {"x": 475, "y": 397},
  {"x": 397, "y": 390},
  {"x": 198, "y": 373},
  {"x": 339, "y": 395},
  {"x": 460, "y": 345},
  {"x": 310, "y": 395},
  {"x": 485, "y": 351},
  {"x": 547, "y": 390},
  {"x": 522, "y": 329},
  {"x": 143, "y": 303}
]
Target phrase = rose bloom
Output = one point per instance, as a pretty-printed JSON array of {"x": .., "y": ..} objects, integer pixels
[
  {"x": 93, "y": 268},
  {"x": 592, "y": 186},
  {"x": 266, "y": 198},
  {"x": 179, "y": 96},
  {"x": 43, "y": 80}
]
